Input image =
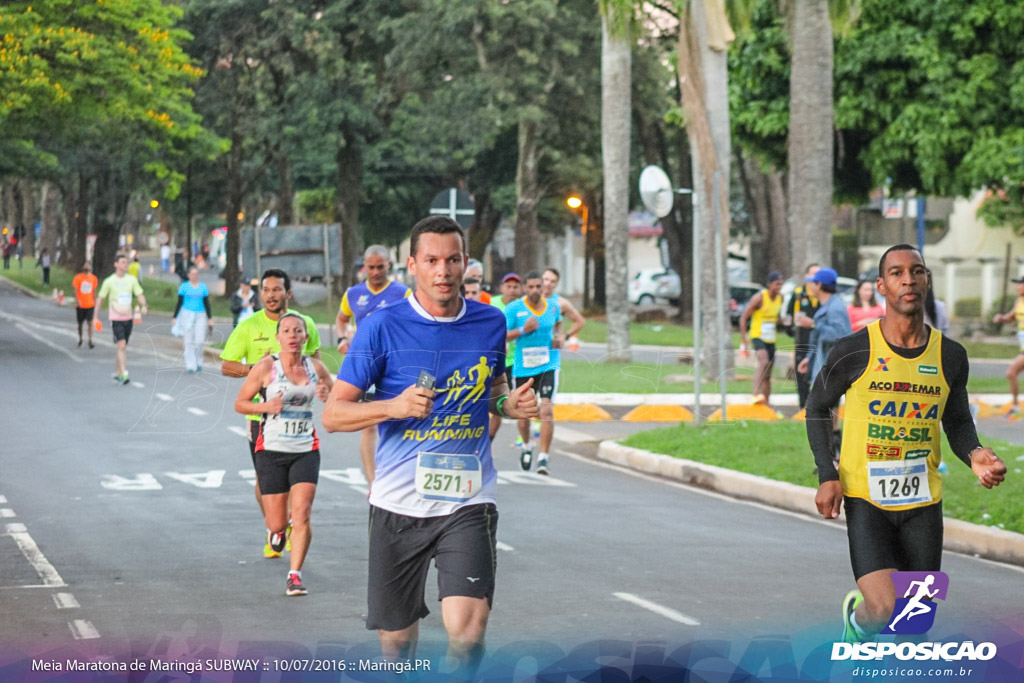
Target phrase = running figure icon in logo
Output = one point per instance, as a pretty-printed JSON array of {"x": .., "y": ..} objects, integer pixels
[{"x": 915, "y": 611}]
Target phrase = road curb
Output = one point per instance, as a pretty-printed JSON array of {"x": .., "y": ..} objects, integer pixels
[{"x": 961, "y": 537}]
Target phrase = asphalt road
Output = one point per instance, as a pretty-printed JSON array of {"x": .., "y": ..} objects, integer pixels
[{"x": 129, "y": 529}]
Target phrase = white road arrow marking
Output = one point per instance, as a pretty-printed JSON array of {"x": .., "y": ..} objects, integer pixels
[
  {"x": 204, "y": 480},
  {"x": 142, "y": 482}
]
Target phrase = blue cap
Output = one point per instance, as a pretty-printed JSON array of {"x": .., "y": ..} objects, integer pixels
[
  {"x": 824, "y": 276},
  {"x": 511, "y": 276},
  {"x": 773, "y": 276}
]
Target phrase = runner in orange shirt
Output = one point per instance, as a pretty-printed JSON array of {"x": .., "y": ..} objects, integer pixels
[{"x": 85, "y": 285}]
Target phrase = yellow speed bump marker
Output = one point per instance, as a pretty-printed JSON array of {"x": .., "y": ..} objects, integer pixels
[
  {"x": 584, "y": 412},
  {"x": 745, "y": 412},
  {"x": 649, "y": 413}
]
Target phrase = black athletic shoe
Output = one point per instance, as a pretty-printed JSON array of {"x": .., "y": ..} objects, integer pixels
[
  {"x": 526, "y": 459},
  {"x": 277, "y": 540}
]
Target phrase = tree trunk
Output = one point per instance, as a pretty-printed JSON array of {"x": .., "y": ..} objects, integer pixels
[
  {"x": 285, "y": 215},
  {"x": 810, "y": 149},
  {"x": 692, "y": 49},
  {"x": 486, "y": 219},
  {"x": 235, "y": 197},
  {"x": 51, "y": 233},
  {"x": 616, "y": 61},
  {"x": 350, "y": 179},
  {"x": 527, "y": 198},
  {"x": 782, "y": 236}
]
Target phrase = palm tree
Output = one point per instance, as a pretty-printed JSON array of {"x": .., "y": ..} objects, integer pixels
[
  {"x": 809, "y": 148},
  {"x": 617, "y": 19}
]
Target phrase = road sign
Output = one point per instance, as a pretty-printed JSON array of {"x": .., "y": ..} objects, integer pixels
[{"x": 456, "y": 204}]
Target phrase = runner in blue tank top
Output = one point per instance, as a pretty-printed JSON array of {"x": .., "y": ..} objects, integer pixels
[{"x": 436, "y": 361}]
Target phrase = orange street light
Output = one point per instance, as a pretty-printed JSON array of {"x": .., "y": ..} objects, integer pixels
[
  {"x": 574, "y": 202},
  {"x": 153, "y": 204}
]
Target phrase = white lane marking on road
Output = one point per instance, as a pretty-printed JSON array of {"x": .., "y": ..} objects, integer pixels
[
  {"x": 164, "y": 397},
  {"x": 141, "y": 482},
  {"x": 504, "y": 546},
  {"x": 248, "y": 475},
  {"x": 137, "y": 385},
  {"x": 513, "y": 477},
  {"x": 204, "y": 480},
  {"x": 572, "y": 436},
  {"x": 365, "y": 490},
  {"x": 83, "y": 630},
  {"x": 241, "y": 431},
  {"x": 69, "y": 354},
  {"x": 3, "y": 499},
  {"x": 350, "y": 475},
  {"x": 7, "y": 512},
  {"x": 196, "y": 411},
  {"x": 666, "y": 612},
  {"x": 35, "y": 556},
  {"x": 65, "y": 601}
]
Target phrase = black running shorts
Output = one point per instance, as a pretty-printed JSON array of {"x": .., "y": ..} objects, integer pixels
[
  {"x": 462, "y": 545},
  {"x": 758, "y": 345},
  {"x": 904, "y": 540},
  {"x": 84, "y": 315},
  {"x": 277, "y": 472},
  {"x": 544, "y": 384},
  {"x": 122, "y": 330}
]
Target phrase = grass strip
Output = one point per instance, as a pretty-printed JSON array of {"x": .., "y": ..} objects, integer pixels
[{"x": 779, "y": 451}]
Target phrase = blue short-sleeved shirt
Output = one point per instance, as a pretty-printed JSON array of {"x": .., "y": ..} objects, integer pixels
[{"x": 464, "y": 354}]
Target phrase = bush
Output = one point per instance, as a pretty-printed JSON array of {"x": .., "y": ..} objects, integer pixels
[{"x": 967, "y": 308}]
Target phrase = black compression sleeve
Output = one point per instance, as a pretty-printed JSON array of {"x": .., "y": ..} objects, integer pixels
[
  {"x": 209, "y": 311},
  {"x": 177, "y": 308},
  {"x": 845, "y": 363},
  {"x": 957, "y": 421}
]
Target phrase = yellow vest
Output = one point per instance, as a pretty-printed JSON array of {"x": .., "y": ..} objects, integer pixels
[
  {"x": 764, "y": 320},
  {"x": 891, "y": 432}
]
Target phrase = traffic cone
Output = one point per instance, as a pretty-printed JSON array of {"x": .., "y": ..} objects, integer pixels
[
  {"x": 574, "y": 344},
  {"x": 60, "y": 297},
  {"x": 53, "y": 297},
  {"x": 138, "y": 314}
]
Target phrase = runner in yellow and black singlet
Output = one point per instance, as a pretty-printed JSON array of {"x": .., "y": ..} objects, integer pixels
[
  {"x": 1015, "y": 314},
  {"x": 904, "y": 383},
  {"x": 762, "y": 313}
]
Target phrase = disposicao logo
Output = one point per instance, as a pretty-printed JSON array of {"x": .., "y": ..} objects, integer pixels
[
  {"x": 883, "y": 364},
  {"x": 915, "y": 611}
]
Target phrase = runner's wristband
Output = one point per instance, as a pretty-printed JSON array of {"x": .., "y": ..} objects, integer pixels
[
  {"x": 499, "y": 406},
  {"x": 522, "y": 331}
]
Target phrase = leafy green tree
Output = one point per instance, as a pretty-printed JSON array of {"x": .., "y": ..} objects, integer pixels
[
  {"x": 96, "y": 96},
  {"x": 929, "y": 95}
]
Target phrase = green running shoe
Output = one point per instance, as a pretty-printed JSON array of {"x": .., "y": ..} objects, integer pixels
[{"x": 850, "y": 604}]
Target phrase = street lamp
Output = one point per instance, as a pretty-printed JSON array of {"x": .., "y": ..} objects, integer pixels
[
  {"x": 154, "y": 204},
  {"x": 575, "y": 202}
]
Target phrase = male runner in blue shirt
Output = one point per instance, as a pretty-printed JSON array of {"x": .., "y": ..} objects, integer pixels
[{"x": 437, "y": 361}]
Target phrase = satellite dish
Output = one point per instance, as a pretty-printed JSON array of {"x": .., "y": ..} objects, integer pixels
[{"x": 656, "y": 191}]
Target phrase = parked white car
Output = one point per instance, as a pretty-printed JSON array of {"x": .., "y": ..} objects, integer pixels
[{"x": 652, "y": 284}]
